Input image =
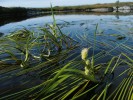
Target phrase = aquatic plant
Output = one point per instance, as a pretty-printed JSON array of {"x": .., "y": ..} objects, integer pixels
[{"x": 52, "y": 67}]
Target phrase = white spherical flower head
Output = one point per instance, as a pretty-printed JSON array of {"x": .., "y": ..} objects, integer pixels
[{"x": 84, "y": 53}]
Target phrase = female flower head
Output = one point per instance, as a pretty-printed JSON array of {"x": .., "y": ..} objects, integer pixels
[
  {"x": 87, "y": 62},
  {"x": 84, "y": 53},
  {"x": 86, "y": 71}
]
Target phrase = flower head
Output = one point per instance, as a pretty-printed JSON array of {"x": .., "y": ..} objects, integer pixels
[
  {"x": 84, "y": 53},
  {"x": 87, "y": 62},
  {"x": 51, "y": 25},
  {"x": 86, "y": 71}
]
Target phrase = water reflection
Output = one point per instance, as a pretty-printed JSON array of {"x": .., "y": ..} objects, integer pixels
[
  {"x": 117, "y": 15},
  {"x": 5, "y": 19},
  {"x": 12, "y": 23}
]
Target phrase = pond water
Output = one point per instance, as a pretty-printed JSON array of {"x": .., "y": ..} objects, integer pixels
[
  {"x": 114, "y": 33},
  {"x": 114, "y": 22},
  {"x": 113, "y": 30}
]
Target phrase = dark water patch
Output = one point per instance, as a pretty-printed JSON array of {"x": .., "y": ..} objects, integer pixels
[{"x": 1, "y": 34}]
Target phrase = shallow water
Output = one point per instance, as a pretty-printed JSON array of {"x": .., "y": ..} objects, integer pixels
[
  {"x": 112, "y": 35},
  {"x": 113, "y": 30}
]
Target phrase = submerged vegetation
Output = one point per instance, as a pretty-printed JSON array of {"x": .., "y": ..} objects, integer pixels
[{"x": 50, "y": 65}]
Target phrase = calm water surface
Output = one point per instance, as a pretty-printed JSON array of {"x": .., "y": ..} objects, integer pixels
[
  {"x": 113, "y": 30},
  {"x": 105, "y": 22}
]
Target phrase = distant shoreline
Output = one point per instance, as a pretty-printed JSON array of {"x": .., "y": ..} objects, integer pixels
[{"x": 110, "y": 7}]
